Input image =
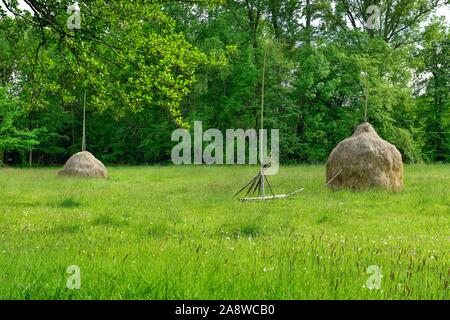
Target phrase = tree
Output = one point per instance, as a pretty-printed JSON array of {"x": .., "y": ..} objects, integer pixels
[
  {"x": 434, "y": 103},
  {"x": 397, "y": 21},
  {"x": 129, "y": 48},
  {"x": 12, "y": 137},
  {"x": 151, "y": 66}
]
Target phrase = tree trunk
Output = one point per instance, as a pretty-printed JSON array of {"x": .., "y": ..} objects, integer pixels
[
  {"x": 23, "y": 158},
  {"x": 308, "y": 21},
  {"x": 73, "y": 127},
  {"x": 30, "y": 158}
]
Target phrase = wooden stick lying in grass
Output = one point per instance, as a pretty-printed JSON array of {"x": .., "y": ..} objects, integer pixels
[{"x": 331, "y": 180}]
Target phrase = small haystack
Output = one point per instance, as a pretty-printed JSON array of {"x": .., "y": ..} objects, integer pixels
[
  {"x": 84, "y": 164},
  {"x": 364, "y": 161}
]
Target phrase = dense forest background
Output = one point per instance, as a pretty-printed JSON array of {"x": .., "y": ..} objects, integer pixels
[{"x": 149, "y": 67}]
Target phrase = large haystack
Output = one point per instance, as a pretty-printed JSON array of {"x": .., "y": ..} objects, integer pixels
[
  {"x": 366, "y": 161},
  {"x": 84, "y": 164}
]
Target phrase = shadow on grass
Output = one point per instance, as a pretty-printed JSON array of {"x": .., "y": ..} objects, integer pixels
[
  {"x": 105, "y": 220},
  {"x": 66, "y": 229},
  {"x": 68, "y": 203}
]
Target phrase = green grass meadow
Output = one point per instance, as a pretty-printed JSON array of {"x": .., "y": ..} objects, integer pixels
[{"x": 176, "y": 233}]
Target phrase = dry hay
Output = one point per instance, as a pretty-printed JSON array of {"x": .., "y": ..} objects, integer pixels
[
  {"x": 84, "y": 164},
  {"x": 365, "y": 161}
]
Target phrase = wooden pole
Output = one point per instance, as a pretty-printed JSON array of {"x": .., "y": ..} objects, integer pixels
[
  {"x": 365, "y": 107},
  {"x": 83, "y": 142},
  {"x": 261, "y": 135},
  {"x": 252, "y": 180}
]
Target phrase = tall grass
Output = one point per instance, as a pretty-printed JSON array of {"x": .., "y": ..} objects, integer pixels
[{"x": 176, "y": 233}]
